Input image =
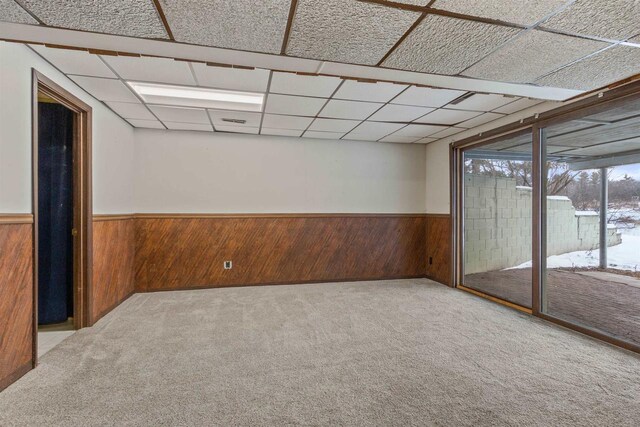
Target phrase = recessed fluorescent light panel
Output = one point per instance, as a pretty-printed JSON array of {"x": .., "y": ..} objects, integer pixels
[{"x": 187, "y": 96}]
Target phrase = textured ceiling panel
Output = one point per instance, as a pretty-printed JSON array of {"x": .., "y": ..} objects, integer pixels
[
  {"x": 447, "y": 132},
  {"x": 234, "y": 24},
  {"x": 122, "y": 17},
  {"x": 612, "y": 19},
  {"x": 426, "y": 140},
  {"x": 160, "y": 70},
  {"x": 532, "y": 55},
  {"x": 400, "y": 139},
  {"x": 419, "y": 131},
  {"x": 346, "y": 30},
  {"x": 608, "y": 148},
  {"x": 105, "y": 89},
  {"x": 446, "y": 45},
  {"x": 75, "y": 62},
  {"x": 231, "y": 78},
  {"x": 372, "y": 131},
  {"x": 280, "y": 132},
  {"x": 188, "y": 126},
  {"x": 374, "y": 92},
  {"x": 596, "y": 71},
  {"x": 482, "y": 102},
  {"x": 339, "y": 109},
  {"x": 518, "y": 105},
  {"x": 275, "y": 121},
  {"x": 480, "y": 120},
  {"x": 399, "y": 113},
  {"x": 295, "y": 84},
  {"x": 447, "y": 117},
  {"x": 218, "y": 116},
  {"x": 10, "y": 11},
  {"x": 523, "y": 12},
  {"x": 180, "y": 114},
  {"x": 131, "y": 111},
  {"x": 322, "y": 135},
  {"x": 427, "y": 97},
  {"x": 238, "y": 129},
  {"x": 149, "y": 124},
  {"x": 333, "y": 125},
  {"x": 295, "y": 105}
]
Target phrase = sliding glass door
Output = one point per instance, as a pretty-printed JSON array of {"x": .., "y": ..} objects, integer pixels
[{"x": 497, "y": 207}]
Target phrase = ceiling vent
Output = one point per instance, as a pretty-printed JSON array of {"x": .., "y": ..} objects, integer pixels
[
  {"x": 461, "y": 98},
  {"x": 236, "y": 121}
]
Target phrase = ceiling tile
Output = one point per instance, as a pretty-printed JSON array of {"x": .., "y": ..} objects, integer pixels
[
  {"x": 447, "y": 117},
  {"x": 188, "y": 126},
  {"x": 426, "y": 140},
  {"x": 180, "y": 114},
  {"x": 231, "y": 78},
  {"x": 235, "y": 24},
  {"x": 480, "y": 120},
  {"x": 596, "y": 71},
  {"x": 322, "y": 135},
  {"x": 447, "y": 132},
  {"x": 418, "y": 131},
  {"x": 339, "y": 109},
  {"x": 400, "y": 139},
  {"x": 275, "y": 121},
  {"x": 131, "y": 111},
  {"x": 446, "y": 45},
  {"x": 294, "y": 105},
  {"x": 121, "y": 17},
  {"x": 427, "y": 97},
  {"x": 612, "y": 19},
  {"x": 333, "y": 125},
  {"x": 10, "y": 11},
  {"x": 105, "y": 89},
  {"x": 518, "y": 105},
  {"x": 145, "y": 69},
  {"x": 399, "y": 113},
  {"x": 346, "y": 30},
  {"x": 414, "y": 2},
  {"x": 217, "y": 116},
  {"x": 374, "y": 92},
  {"x": 75, "y": 62},
  {"x": 532, "y": 55},
  {"x": 238, "y": 129},
  {"x": 374, "y": 130},
  {"x": 296, "y": 84},
  {"x": 150, "y": 124},
  {"x": 482, "y": 102},
  {"x": 280, "y": 132},
  {"x": 523, "y": 12}
]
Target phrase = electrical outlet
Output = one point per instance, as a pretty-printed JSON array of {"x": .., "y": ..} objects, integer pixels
[{"x": 228, "y": 265}]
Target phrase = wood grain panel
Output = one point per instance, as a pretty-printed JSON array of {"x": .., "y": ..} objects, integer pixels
[
  {"x": 179, "y": 253},
  {"x": 438, "y": 247},
  {"x": 113, "y": 264},
  {"x": 16, "y": 302}
]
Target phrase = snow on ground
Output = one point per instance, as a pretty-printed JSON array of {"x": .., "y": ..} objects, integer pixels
[{"x": 625, "y": 256}]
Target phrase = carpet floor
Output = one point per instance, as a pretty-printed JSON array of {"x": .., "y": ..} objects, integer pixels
[{"x": 400, "y": 352}]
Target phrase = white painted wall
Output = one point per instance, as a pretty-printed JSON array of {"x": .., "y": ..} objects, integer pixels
[
  {"x": 437, "y": 178},
  {"x": 225, "y": 173},
  {"x": 113, "y": 148}
]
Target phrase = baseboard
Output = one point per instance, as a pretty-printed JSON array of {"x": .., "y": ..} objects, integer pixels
[
  {"x": 16, "y": 375},
  {"x": 299, "y": 282}
]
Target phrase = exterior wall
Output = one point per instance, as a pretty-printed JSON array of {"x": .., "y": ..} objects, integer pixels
[{"x": 498, "y": 225}]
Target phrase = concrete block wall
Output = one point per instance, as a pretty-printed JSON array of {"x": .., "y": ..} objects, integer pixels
[{"x": 498, "y": 219}]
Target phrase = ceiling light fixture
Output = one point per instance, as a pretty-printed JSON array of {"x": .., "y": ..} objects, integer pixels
[{"x": 187, "y": 96}]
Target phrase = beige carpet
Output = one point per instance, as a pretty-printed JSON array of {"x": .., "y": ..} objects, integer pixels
[{"x": 405, "y": 352}]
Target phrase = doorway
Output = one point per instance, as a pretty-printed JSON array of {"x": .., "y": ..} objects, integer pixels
[{"x": 62, "y": 214}]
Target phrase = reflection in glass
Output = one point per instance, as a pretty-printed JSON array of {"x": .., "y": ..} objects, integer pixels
[{"x": 497, "y": 218}]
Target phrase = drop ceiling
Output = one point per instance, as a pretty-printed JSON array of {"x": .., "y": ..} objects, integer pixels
[
  {"x": 563, "y": 44},
  {"x": 295, "y": 105}
]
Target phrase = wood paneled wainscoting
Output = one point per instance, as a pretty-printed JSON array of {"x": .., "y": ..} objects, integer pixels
[
  {"x": 16, "y": 297},
  {"x": 438, "y": 252},
  {"x": 188, "y": 251},
  {"x": 113, "y": 262}
]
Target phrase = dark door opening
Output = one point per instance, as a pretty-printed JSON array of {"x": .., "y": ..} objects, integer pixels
[{"x": 55, "y": 213}]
